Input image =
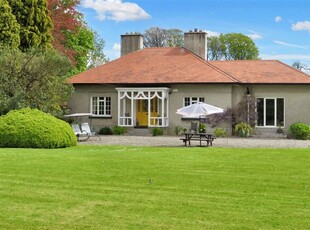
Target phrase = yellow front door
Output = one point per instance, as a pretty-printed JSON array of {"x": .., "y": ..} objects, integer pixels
[{"x": 142, "y": 111}]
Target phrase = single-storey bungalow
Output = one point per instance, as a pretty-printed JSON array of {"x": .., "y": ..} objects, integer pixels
[{"x": 146, "y": 86}]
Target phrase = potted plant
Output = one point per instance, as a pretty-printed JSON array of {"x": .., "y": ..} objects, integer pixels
[
  {"x": 243, "y": 129},
  {"x": 202, "y": 128}
]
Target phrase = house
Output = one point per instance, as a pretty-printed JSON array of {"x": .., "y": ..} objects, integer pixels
[{"x": 146, "y": 86}]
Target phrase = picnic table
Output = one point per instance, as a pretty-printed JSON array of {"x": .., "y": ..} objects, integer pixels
[{"x": 201, "y": 137}]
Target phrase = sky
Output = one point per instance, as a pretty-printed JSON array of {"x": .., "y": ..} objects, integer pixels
[{"x": 279, "y": 28}]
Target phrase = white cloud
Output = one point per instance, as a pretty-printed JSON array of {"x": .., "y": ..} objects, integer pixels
[
  {"x": 116, "y": 10},
  {"x": 290, "y": 45},
  {"x": 286, "y": 57},
  {"x": 116, "y": 46},
  {"x": 278, "y": 19},
  {"x": 255, "y": 36},
  {"x": 212, "y": 33},
  {"x": 305, "y": 25}
]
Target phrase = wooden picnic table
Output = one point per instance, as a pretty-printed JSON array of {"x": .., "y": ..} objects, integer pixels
[{"x": 201, "y": 137}]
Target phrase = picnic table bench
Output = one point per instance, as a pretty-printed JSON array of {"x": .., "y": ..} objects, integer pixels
[{"x": 201, "y": 137}]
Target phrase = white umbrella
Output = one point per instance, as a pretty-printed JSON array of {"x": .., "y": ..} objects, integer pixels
[{"x": 199, "y": 109}]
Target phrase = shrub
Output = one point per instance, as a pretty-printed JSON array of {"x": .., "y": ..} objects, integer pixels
[
  {"x": 177, "y": 130},
  {"x": 300, "y": 131},
  {"x": 118, "y": 130},
  {"x": 157, "y": 131},
  {"x": 32, "y": 128},
  {"x": 106, "y": 131},
  {"x": 243, "y": 129},
  {"x": 220, "y": 132}
]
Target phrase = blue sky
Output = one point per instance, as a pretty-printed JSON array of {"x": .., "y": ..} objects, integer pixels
[{"x": 279, "y": 28}]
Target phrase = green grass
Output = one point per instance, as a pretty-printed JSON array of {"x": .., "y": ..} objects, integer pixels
[{"x": 89, "y": 187}]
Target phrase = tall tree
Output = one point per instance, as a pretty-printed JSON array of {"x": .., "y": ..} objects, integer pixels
[
  {"x": 158, "y": 37},
  {"x": 9, "y": 27},
  {"x": 300, "y": 66},
  {"x": 33, "y": 79},
  {"x": 35, "y": 23},
  {"x": 96, "y": 56},
  {"x": 232, "y": 46}
]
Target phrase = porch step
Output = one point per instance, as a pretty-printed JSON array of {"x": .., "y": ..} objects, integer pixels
[{"x": 138, "y": 132}]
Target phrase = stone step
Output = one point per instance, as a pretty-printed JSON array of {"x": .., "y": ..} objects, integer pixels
[{"x": 138, "y": 132}]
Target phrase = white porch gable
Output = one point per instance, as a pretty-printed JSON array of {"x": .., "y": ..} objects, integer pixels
[{"x": 143, "y": 107}]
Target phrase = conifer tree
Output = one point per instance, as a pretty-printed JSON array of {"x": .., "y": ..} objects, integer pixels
[
  {"x": 35, "y": 23},
  {"x": 9, "y": 28}
]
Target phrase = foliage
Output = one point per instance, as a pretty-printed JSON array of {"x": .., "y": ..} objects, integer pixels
[
  {"x": 119, "y": 130},
  {"x": 157, "y": 131},
  {"x": 220, "y": 132},
  {"x": 177, "y": 130},
  {"x": 300, "y": 66},
  {"x": 158, "y": 37},
  {"x": 202, "y": 128},
  {"x": 96, "y": 57},
  {"x": 33, "y": 79},
  {"x": 35, "y": 23},
  {"x": 27, "y": 128},
  {"x": 245, "y": 110},
  {"x": 86, "y": 187},
  {"x": 232, "y": 46},
  {"x": 9, "y": 27},
  {"x": 105, "y": 131},
  {"x": 243, "y": 129},
  {"x": 300, "y": 131}
]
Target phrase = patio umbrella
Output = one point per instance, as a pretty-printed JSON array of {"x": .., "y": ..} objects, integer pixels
[{"x": 198, "y": 109}]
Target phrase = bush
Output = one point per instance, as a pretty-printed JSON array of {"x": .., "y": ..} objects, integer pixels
[
  {"x": 157, "y": 131},
  {"x": 32, "y": 128},
  {"x": 106, "y": 131},
  {"x": 118, "y": 130},
  {"x": 300, "y": 131},
  {"x": 177, "y": 130},
  {"x": 219, "y": 132}
]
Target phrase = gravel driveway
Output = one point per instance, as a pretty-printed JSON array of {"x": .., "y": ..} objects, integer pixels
[{"x": 174, "y": 141}]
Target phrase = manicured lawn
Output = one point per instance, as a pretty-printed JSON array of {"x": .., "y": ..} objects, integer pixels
[{"x": 89, "y": 187}]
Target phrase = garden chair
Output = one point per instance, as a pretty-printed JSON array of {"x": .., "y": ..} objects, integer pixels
[
  {"x": 86, "y": 127},
  {"x": 80, "y": 135}
]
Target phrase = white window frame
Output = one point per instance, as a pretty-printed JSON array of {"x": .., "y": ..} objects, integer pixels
[
  {"x": 275, "y": 112},
  {"x": 106, "y": 112},
  {"x": 192, "y": 100}
]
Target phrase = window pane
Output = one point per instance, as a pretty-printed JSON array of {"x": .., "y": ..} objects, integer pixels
[
  {"x": 201, "y": 99},
  {"x": 187, "y": 101},
  {"x": 280, "y": 112},
  {"x": 270, "y": 120},
  {"x": 94, "y": 105},
  {"x": 108, "y": 106},
  {"x": 260, "y": 112}
]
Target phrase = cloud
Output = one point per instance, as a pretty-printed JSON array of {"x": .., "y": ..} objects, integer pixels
[
  {"x": 286, "y": 57},
  {"x": 278, "y": 19},
  {"x": 212, "y": 33},
  {"x": 290, "y": 45},
  {"x": 116, "y": 10},
  {"x": 305, "y": 25},
  {"x": 117, "y": 47}
]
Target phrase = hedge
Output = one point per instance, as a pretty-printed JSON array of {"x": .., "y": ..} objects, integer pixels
[
  {"x": 32, "y": 128},
  {"x": 300, "y": 131}
]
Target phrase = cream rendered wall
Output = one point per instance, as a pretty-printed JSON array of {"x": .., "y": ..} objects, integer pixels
[
  {"x": 217, "y": 95},
  {"x": 296, "y": 101},
  {"x": 80, "y": 103}
]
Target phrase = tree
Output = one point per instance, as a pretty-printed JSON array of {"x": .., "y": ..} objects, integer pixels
[
  {"x": 96, "y": 56},
  {"x": 33, "y": 79},
  {"x": 66, "y": 20},
  {"x": 232, "y": 46},
  {"x": 35, "y": 23},
  {"x": 300, "y": 66},
  {"x": 9, "y": 27},
  {"x": 158, "y": 37}
]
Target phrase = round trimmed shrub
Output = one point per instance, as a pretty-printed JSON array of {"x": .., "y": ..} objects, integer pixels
[
  {"x": 32, "y": 128},
  {"x": 300, "y": 131}
]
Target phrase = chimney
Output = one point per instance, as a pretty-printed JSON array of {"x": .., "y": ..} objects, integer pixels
[
  {"x": 131, "y": 42},
  {"x": 196, "y": 42}
]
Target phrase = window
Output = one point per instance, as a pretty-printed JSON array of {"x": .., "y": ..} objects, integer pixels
[
  {"x": 193, "y": 100},
  {"x": 101, "y": 106},
  {"x": 270, "y": 112}
]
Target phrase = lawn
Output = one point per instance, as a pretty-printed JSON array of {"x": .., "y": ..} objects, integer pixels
[{"x": 91, "y": 187}]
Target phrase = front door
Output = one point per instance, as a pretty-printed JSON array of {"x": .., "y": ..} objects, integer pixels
[{"x": 142, "y": 112}]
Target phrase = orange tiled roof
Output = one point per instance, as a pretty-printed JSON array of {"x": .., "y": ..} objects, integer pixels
[
  {"x": 262, "y": 72},
  {"x": 178, "y": 65},
  {"x": 153, "y": 66}
]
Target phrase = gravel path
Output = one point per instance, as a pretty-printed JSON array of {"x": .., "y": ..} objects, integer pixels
[{"x": 174, "y": 141}]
